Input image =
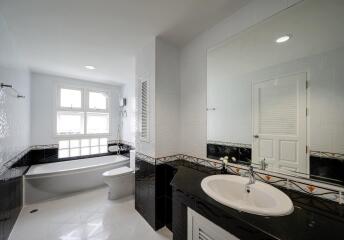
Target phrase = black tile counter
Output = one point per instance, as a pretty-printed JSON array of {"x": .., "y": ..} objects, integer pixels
[{"x": 313, "y": 218}]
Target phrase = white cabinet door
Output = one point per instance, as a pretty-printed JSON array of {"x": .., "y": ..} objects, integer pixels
[
  {"x": 279, "y": 123},
  {"x": 200, "y": 228}
]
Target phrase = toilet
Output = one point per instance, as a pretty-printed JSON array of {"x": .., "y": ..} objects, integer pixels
[{"x": 121, "y": 181}]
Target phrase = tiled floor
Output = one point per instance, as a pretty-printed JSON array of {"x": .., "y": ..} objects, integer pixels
[{"x": 88, "y": 215}]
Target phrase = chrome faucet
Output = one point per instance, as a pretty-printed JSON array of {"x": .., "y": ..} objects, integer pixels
[{"x": 252, "y": 179}]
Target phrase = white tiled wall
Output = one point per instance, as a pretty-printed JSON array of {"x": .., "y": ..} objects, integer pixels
[{"x": 14, "y": 112}]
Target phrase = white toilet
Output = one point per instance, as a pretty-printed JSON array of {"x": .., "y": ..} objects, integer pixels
[{"x": 121, "y": 181}]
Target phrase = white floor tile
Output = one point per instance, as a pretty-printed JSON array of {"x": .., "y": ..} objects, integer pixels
[{"x": 85, "y": 216}]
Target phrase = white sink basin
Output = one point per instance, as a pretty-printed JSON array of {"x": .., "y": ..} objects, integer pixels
[{"x": 263, "y": 199}]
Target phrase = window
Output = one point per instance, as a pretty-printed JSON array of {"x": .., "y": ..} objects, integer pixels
[
  {"x": 97, "y": 101},
  {"x": 73, "y": 117},
  {"x": 69, "y": 123},
  {"x": 70, "y": 98},
  {"x": 82, "y": 147}
]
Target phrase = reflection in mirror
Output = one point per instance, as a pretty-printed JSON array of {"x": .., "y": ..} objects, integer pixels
[{"x": 275, "y": 93}]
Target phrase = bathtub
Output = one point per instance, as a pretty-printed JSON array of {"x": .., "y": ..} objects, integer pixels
[{"x": 51, "y": 180}]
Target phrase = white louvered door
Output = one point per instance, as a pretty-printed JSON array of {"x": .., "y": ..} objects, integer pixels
[
  {"x": 279, "y": 123},
  {"x": 200, "y": 228}
]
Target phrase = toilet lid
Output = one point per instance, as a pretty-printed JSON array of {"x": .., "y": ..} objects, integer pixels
[{"x": 118, "y": 171}]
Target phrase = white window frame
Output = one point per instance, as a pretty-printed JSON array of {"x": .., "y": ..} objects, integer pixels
[
  {"x": 87, "y": 105},
  {"x": 58, "y": 102},
  {"x": 84, "y": 108}
]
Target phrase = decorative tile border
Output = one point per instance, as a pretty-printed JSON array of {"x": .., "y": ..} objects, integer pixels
[
  {"x": 230, "y": 144},
  {"x": 306, "y": 186},
  {"x": 320, "y": 154},
  {"x": 145, "y": 158}
]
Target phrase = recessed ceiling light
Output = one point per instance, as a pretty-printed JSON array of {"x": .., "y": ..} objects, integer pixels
[
  {"x": 283, "y": 38},
  {"x": 89, "y": 67}
]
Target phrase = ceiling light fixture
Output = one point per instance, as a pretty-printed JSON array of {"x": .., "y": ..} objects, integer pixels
[
  {"x": 283, "y": 38},
  {"x": 89, "y": 67}
]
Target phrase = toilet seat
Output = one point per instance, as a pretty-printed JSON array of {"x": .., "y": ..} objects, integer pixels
[{"x": 118, "y": 172}]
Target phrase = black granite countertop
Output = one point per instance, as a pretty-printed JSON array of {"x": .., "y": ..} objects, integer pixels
[{"x": 313, "y": 217}]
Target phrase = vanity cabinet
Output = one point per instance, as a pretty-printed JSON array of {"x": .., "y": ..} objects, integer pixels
[{"x": 200, "y": 228}]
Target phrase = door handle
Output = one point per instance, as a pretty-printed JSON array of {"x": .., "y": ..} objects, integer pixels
[{"x": 256, "y": 136}]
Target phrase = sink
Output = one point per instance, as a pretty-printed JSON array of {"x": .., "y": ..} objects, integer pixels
[{"x": 262, "y": 199}]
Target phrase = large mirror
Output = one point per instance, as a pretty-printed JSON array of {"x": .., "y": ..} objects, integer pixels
[{"x": 275, "y": 93}]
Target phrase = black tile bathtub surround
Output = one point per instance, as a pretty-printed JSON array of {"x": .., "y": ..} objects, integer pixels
[
  {"x": 241, "y": 154},
  {"x": 50, "y": 155},
  {"x": 313, "y": 218},
  {"x": 11, "y": 196}
]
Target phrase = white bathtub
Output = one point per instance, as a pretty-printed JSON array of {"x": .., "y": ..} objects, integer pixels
[{"x": 51, "y": 180}]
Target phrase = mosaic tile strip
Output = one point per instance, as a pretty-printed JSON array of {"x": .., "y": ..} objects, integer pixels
[
  {"x": 167, "y": 159},
  {"x": 145, "y": 158},
  {"x": 339, "y": 156},
  {"x": 40, "y": 147},
  {"x": 230, "y": 144},
  {"x": 13, "y": 160}
]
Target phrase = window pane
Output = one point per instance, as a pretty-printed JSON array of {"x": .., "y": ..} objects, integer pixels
[
  {"x": 97, "y": 123},
  {"x": 64, "y": 153},
  {"x": 94, "y": 141},
  {"x": 85, "y": 151},
  {"x": 95, "y": 150},
  {"x": 97, "y": 100},
  {"x": 63, "y": 144},
  {"x": 85, "y": 142},
  {"x": 103, "y": 142},
  {"x": 75, "y": 152},
  {"x": 70, "y": 123},
  {"x": 103, "y": 149},
  {"x": 70, "y": 98},
  {"x": 74, "y": 143}
]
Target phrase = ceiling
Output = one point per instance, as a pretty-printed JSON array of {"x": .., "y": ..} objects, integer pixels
[{"x": 62, "y": 36}]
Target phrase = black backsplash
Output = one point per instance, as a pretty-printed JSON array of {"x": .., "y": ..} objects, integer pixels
[
  {"x": 327, "y": 169},
  {"x": 241, "y": 154}
]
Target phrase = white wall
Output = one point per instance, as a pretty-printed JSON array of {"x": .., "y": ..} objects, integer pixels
[
  {"x": 145, "y": 70},
  {"x": 129, "y": 120},
  {"x": 167, "y": 99},
  {"x": 44, "y": 91},
  {"x": 158, "y": 63},
  {"x": 14, "y": 112},
  {"x": 193, "y": 118}
]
